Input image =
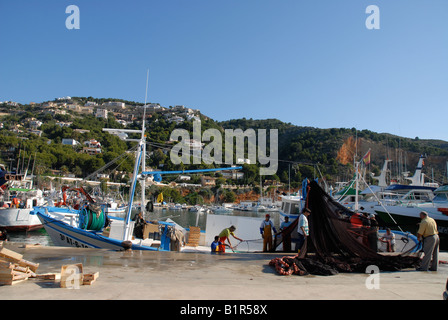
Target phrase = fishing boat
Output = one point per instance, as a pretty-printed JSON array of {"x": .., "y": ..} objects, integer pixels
[
  {"x": 293, "y": 205},
  {"x": 114, "y": 209},
  {"x": 90, "y": 227},
  {"x": 220, "y": 209},
  {"x": 407, "y": 215},
  {"x": 15, "y": 209},
  {"x": 17, "y": 199},
  {"x": 197, "y": 208},
  {"x": 418, "y": 191}
]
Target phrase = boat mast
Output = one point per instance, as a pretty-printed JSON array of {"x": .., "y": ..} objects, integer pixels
[
  {"x": 356, "y": 173},
  {"x": 356, "y": 186},
  {"x": 143, "y": 138},
  {"x": 140, "y": 160},
  {"x": 126, "y": 235}
]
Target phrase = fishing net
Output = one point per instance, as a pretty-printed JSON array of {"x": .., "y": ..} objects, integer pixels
[{"x": 339, "y": 241}]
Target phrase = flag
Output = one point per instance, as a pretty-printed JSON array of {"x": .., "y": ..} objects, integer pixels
[
  {"x": 366, "y": 158},
  {"x": 160, "y": 198}
]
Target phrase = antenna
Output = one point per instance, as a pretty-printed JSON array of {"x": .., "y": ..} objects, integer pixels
[
  {"x": 144, "y": 107},
  {"x": 147, "y": 78}
]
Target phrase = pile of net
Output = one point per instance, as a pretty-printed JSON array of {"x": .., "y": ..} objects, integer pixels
[{"x": 334, "y": 244}]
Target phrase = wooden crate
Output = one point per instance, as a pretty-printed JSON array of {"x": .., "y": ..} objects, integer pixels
[
  {"x": 9, "y": 254},
  {"x": 90, "y": 278},
  {"x": 71, "y": 275}
]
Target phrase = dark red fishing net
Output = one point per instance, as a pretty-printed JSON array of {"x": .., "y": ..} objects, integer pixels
[{"x": 337, "y": 243}]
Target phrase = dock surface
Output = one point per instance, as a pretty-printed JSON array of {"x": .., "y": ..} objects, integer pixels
[{"x": 205, "y": 276}]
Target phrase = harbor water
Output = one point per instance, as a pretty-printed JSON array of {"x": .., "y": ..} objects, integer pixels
[{"x": 182, "y": 217}]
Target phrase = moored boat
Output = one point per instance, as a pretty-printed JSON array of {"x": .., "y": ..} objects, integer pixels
[
  {"x": 16, "y": 206},
  {"x": 408, "y": 215}
]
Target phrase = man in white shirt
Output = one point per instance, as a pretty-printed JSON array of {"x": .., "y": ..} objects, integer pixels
[{"x": 303, "y": 228}]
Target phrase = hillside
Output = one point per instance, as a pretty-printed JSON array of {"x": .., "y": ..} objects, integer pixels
[
  {"x": 37, "y": 131},
  {"x": 333, "y": 150}
]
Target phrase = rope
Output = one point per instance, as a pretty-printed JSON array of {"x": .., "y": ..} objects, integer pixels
[{"x": 247, "y": 241}]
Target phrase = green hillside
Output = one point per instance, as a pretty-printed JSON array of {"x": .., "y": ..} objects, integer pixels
[{"x": 304, "y": 152}]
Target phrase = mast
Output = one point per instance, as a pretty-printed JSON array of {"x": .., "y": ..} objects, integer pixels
[
  {"x": 356, "y": 186},
  {"x": 143, "y": 138},
  {"x": 126, "y": 235},
  {"x": 140, "y": 160}
]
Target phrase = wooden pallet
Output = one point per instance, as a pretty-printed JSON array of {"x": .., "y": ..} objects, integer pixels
[
  {"x": 15, "y": 269},
  {"x": 194, "y": 236}
]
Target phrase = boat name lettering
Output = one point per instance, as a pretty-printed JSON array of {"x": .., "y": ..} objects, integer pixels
[{"x": 72, "y": 242}]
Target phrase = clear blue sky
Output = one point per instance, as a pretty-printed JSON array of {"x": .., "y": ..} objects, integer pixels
[{"x": 311, "y": 63}]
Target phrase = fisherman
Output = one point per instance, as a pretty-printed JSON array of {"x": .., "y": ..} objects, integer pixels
[
  {"x": 389, "y": 239},
  {"x": 139, "y": 224},
  {"x": 215, "y": 246},
  {"x": 266, "y": 228},
  {"x": 364, "y": 216},
  {"x": 303, "y": 228},
  {"x": 356, "y": 226},
  {"x": 427, "y": 232},
  {"x": 372, "y": 236},
  {"x": 286, "y": 235},
  {"x": 224, "y": 235}
]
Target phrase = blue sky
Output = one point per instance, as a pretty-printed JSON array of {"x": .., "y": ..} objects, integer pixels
[{"x": 311, "y": 63}]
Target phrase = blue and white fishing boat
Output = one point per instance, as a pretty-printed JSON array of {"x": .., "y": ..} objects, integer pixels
[{"x": 91, "y": 227}]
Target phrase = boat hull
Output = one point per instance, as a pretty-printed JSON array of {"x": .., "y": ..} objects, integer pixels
[
  {"x": 18, "y": 219},
  {"x": 408, "y": 219},
  {"x": 64, "y": 235}
]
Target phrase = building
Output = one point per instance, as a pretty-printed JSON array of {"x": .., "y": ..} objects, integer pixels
[
  {"x": 81, "y": 130},
  {"x": 154, "y": 107},
  {"x": 208, "y": 181},
  {"x": 114, "y": 105},
  {"x": 122, "y": 122},
  {"x": 63, "y": 124},
  {"x": 192, "y": 117},
  {"x": 64, "y": 98},
  {"x": 243, "y": 161},
  {"x": 34, "y": 124},
  {"x": 232, "y": 174},
  {"x": 101, "y": 113},
  {"x": 92, "y": 147},
  {"x": 70, "y": 142},
  {"x": 48, "y": 104},
  {"x": 36, "y": 132},
  {"x": 176, "y": 119},
  {"x": 80, "y": 109},
  {"x": 11, "y": 103}
]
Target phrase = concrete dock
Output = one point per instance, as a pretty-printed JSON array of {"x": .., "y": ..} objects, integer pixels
[{"x": 204, "y": 276}]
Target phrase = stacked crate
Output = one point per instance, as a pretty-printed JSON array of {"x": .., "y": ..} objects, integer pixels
[{"x": 14, "y": 269}]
